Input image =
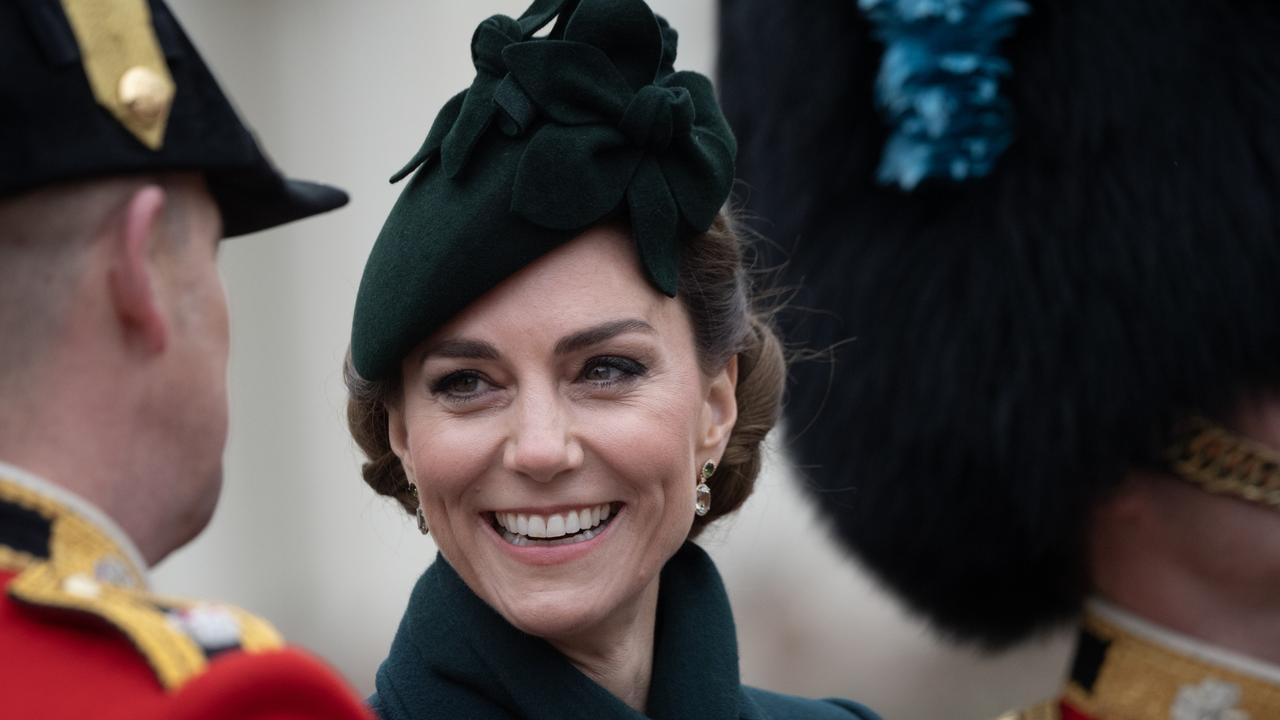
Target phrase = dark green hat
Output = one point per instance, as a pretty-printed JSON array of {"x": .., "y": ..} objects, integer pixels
[
  {"x": 95, "y": 89},
  {"x": 555, "y": 135}
]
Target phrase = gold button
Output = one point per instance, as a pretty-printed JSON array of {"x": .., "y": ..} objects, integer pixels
[{"x": 145, "y": 94}]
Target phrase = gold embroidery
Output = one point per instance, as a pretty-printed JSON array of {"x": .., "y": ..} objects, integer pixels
[
  {"x": 1141, "y": 680},
  {"x": 11, "y": 559},
  {"x": 86, "y": 574},
  {"x": 124, "y": 64},
  {"x": 173, "y": 655}
]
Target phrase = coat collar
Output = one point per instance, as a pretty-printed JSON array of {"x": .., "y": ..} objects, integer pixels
[
  {"x": 1128, "y": 667},
  {"x": 112, "y": 555},
  {"x": 455, "y": 656},
  {"x": 65, "y": 563}
]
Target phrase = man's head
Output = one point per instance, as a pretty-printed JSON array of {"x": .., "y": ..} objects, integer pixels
[
  {"x": 1206, "y": 564},
  {"x": 115, "y": 322},
  {"x": 122, "y": 166}
]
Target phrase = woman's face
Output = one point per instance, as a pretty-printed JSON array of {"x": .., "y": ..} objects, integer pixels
[{"x": 554, "y": 429}]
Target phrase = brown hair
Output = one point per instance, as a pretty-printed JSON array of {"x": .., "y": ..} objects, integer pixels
[{"x": 717, "y": 292}]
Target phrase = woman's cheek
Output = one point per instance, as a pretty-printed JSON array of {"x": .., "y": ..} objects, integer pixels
[
  {"x": 651, "y": 441},
  {"x": 667, "y": 404},
  {"x": 446, "y": 459}
]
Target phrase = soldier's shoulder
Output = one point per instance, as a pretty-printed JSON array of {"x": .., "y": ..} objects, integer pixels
[
  {"x": 177, "y": 638},
  {"x": 139, "y": 654},
  {"x": 285, "y": 682}
]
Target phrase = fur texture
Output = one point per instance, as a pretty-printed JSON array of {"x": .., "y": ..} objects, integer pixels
[{"x": 1007, "y": 348}]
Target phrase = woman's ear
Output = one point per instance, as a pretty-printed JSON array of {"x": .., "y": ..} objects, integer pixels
[
  {"x": 398, "y": 436},
  {"x": 720, "y": 409}
]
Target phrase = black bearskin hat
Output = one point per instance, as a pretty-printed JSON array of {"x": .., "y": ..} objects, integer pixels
[{"x": 1009, "y": 342}]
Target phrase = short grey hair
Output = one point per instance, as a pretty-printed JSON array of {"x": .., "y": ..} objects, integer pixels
[{"x": 45, "y": 236}]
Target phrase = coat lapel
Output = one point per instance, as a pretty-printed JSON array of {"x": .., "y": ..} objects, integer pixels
[{"x": 454, "y": 656}]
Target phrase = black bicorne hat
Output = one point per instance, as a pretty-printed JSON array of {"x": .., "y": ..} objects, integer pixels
[
  {"x": 1024, "y": 290},
  {"x": 95, "y": 89}
]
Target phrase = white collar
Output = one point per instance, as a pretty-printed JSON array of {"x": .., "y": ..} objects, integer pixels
[
  {"x": 80, "y": 506},
  {"x": 1183, "y": 644}
]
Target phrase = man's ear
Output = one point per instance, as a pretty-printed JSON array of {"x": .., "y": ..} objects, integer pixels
[
  {"x": 133, "y": 235},
  {"x": 720, "y": 409}
]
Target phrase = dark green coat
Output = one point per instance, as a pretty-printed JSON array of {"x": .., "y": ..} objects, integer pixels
[{"x": 455, "y": 657}]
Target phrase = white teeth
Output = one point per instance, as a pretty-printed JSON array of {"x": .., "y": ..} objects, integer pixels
[
  {"x": 580, "y": 524},
  {"x": 537, "y": 526},
  {"x": 555, "y": 526}
]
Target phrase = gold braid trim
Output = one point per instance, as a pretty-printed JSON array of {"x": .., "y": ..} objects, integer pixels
[
  {"x": 173, "y": 656},
  {"x": 12, "y": 560},
  {"x": 71, "y": 582},
  {"x": 75, "y": 544},
  {"x": 1140, "y": 679},
  {"x": 1224, "y": 463}
]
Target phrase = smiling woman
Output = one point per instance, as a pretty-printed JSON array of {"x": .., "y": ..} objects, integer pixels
[
  {"x": 557, "y": 366},
  {"x": 585, "y": 400}
]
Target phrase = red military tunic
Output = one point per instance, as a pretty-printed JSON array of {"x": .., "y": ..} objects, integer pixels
[
  {"x": 80, "y": 637},
  {"x": 1127, "y": 668}
]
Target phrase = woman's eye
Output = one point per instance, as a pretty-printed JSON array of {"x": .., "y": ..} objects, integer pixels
[
  {"x": 603, "y": 373},
  {"x": 610, "y": 370},
  {"x": 460, "y": 385}
]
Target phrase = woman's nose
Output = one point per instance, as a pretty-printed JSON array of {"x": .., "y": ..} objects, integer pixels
[{"x": 541, "y": 444}]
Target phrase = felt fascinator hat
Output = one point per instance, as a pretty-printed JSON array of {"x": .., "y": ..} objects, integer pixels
[
  {"x": 587, "y": 124},
  {"x": 1039, "y": 235}
]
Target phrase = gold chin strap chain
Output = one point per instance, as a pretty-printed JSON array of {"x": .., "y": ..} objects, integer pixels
[{"x": 1222, "y": 462}]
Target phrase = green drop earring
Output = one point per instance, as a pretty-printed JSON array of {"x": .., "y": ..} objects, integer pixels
[
  {"x": 702, "y": 503},
  {"x": 422, "y": 519}
]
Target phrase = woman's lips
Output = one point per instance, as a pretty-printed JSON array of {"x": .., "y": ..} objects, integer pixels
[{"x": 528, "y": 529}]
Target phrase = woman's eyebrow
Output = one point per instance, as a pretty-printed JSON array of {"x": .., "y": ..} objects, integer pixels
[
  {"x": 600, "y": 333},
  {"x": 461, "y": 348}
]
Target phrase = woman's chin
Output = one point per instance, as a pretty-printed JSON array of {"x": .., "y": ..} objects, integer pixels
[{"x": 556, "y": 614}]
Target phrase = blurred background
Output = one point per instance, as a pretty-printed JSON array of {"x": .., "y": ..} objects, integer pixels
[{"x": 345, "y": 92}]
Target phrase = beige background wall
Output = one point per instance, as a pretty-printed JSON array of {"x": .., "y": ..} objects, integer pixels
[{"x": 345, "y": 91}]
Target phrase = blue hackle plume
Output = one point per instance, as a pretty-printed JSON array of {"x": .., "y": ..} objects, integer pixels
[{"x": 939, "y": 86}]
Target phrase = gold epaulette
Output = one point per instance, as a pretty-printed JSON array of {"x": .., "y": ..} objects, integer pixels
[
  {"x": 85, "y": 577},
  {"x": 1138, "y": 670},
  {"x": 177, "y": 637}
]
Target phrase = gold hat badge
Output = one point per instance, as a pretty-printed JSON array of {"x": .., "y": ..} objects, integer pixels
[{"x": 124, "y": 64}]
